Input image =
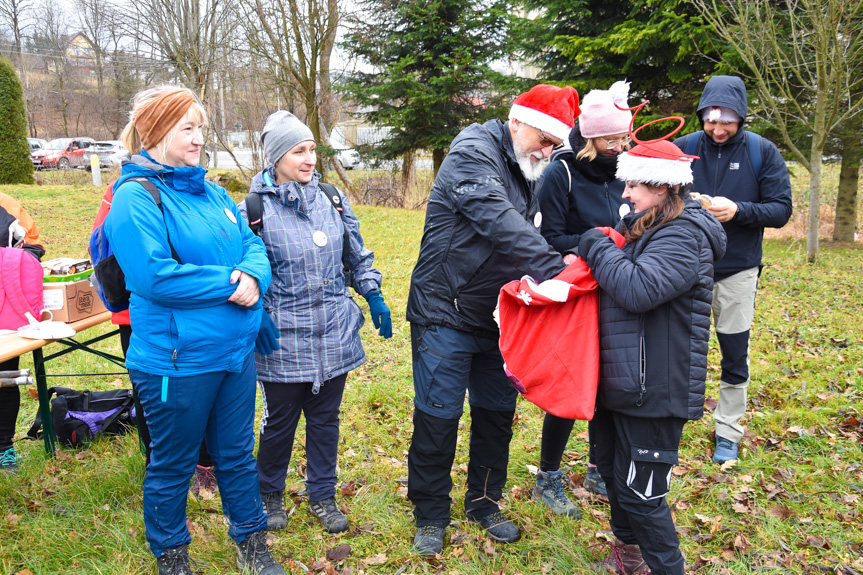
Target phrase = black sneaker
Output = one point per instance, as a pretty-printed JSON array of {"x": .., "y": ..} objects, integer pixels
[
  {"x": 498, "y": 527},
  {"x": 429, "y": 540},
  {"x": 333, "y": 520},
  {"x": 594, "y": 483},
  {"x": 204, "y": 478},
  {"x": 274, "y": 506},
  {"x": 254, "y": 557},
  {"x": 175, "y": 561}
]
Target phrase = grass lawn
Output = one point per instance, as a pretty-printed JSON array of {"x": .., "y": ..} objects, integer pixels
[{"x": 790, "y": 505}]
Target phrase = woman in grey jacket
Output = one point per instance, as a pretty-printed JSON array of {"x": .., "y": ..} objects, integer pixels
[
  {"x": 654, "y": 317},
  {"x": 310, "y": 333}
]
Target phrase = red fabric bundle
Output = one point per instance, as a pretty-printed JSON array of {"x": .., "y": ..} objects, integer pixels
[{"x": 549, "y": 338}]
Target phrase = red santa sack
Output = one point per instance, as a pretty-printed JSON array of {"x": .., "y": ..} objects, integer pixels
[{"x": 549, "y": 339}]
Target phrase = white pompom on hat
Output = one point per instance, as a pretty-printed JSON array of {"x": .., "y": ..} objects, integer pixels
[
  {"x": 599, "y": 114},
  {"x": 720, "y": 114},
  {"x": 550, "y": 109}
]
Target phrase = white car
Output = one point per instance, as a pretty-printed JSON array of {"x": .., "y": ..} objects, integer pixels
[
  {"x": 111, "y": 153},
  {"x": 348, "y": 158}
]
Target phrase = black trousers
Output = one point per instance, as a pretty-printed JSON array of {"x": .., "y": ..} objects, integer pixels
[
  {"x": 555, "y": 435},
  {"x": 10, "y": 403},
  {"x": 283, "y": 404},
  {"x": 431, "y": 456},
  {"x": 635, "y": 457}
]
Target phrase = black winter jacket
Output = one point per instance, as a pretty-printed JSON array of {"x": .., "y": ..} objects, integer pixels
[
  {"x": 726, "y": 170},
  {"x": 479, "y": 234},
  {"x": 578, "y": 195},
  {"x": 654, "y": 314}
]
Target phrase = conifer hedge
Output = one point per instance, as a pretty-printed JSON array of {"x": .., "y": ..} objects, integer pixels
[{"x": 15, "y": 165}]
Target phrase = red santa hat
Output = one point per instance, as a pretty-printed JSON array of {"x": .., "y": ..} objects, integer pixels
[
  {"x": 655, "y": 162},
  {"x": 550, "y": 109}
]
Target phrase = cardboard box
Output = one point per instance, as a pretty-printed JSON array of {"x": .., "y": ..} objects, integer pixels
[{"x": 71, "y": 301}]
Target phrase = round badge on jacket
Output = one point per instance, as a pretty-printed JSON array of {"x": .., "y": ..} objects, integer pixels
[
  {"x": 537, "y": 220},
  {"x": 231, "y": 216},
  {"x": 320, "y": 238}
]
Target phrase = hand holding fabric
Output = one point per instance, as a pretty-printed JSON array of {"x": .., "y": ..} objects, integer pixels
[
  {"x": 268, "y": 335},
  {"x": 380, "y": 313}
]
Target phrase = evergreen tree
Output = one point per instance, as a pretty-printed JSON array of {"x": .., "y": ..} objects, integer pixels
[
  {"x": 657, "y": 45},
  {"x": 15, "y": 165},
  {"x": 431, "y": 72}
]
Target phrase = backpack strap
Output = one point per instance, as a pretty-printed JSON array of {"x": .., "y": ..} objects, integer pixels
[
  {"x": 753, "y": 143},
  {"x": 692, "y": 141},
  {"x": 568, "y": 174},
  {"x": 335, "y": 198},
  {"x": 148, "y": 185},
  {"x": 255, "y": 213}
]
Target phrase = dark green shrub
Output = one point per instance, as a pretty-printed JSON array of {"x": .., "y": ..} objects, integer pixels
[{"x": 15, "y": 165}]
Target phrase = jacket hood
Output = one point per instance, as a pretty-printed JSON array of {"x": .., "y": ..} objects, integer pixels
[
  {"x": 493, "y": 131},
  {"x": 726, "y": 91},
  {"x": 188, "y": 179},
  {"x": 711, "y": 227}
]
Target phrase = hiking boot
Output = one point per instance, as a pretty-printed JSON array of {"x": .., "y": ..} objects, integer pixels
[
  {"x": 549, "y": 492},
  {"x": 429, "y": 540},
  {"x": 204, "y": 478},
  {"x": 333, "y": 520},
  {"x": 9, "y": 460},
  {"x": 175, "y": 561},
  {"x": 254, "y": 557},
  {"x": 726, "y": 450},
  {"x": 274, "y": 506},
  {"x": 624, "y": 559},
  {"x": 498, "y": 527},
  {"x": 594, "y": 482}
]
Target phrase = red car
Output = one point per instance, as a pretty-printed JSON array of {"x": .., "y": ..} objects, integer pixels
[{"x": 63, "y": 154}]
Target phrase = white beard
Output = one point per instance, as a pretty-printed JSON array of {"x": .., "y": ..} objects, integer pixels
[
  {"x": 532, "y": 170},
  {"x": 529, "y": 168}
]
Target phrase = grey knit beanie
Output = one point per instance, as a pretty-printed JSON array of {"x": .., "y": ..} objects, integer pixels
[{"x": 283, "y": 131}]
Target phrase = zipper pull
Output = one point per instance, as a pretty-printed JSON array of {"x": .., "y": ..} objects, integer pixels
[
  {"x": 455, "y": 303},
  {"x": 174, "y": 360}
]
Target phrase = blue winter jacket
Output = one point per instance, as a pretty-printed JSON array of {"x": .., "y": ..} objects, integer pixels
[
  {"x": 654, "y": 314},
  {"x": 763, "y": 201},
  {"x": 318, "y": 320},
  {"x": 182, "y": 322}
]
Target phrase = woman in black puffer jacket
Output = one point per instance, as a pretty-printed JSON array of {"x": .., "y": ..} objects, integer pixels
[{"x": 655, "y": 302}]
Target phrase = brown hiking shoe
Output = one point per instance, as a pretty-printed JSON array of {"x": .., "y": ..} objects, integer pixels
[{"x": 624, "y": 559}]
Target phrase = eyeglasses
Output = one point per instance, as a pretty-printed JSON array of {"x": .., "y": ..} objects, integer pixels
[
  {"x": 615, "y": 143},
  {"x": 545, "y": 142}
]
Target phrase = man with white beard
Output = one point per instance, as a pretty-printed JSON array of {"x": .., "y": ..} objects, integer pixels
[{"x": 481, "y": 231}]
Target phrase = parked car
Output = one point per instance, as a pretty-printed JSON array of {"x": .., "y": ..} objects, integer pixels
[
  {"x": 111, "y": 153},
  {"x": 36, "y": 144},
  {"x": 62, "y": 154},
  {"x": 347, "y": 157}
]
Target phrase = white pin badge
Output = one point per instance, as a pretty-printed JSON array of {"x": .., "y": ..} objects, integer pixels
[
  {"x": 231, "y": 216},
  {"x": 537, "y": 219},
  {"x": 624, "y": 209},
  {"x": 320, "y": 238}
]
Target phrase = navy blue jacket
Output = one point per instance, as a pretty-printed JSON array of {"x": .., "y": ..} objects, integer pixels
[
  {"x": 654, "y": 314},
  {"x": 576, "y": 196},
  {"x": 479, "y": 234},
  {"x": 763, "y": 200}
]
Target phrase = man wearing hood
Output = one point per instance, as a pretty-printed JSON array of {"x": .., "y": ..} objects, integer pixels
[{"x": 747, "y": 179}]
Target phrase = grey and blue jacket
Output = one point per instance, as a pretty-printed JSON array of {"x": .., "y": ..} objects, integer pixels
[
  {"x": 318, "y": 320},
  {"x": 654, "y": 313},
  {"x": 763, "y": 200}
]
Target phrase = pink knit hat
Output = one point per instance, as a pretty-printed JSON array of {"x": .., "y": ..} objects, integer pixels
[
  {"x": 547, "y": 108},
  {"x": 600, "y": 116}
]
